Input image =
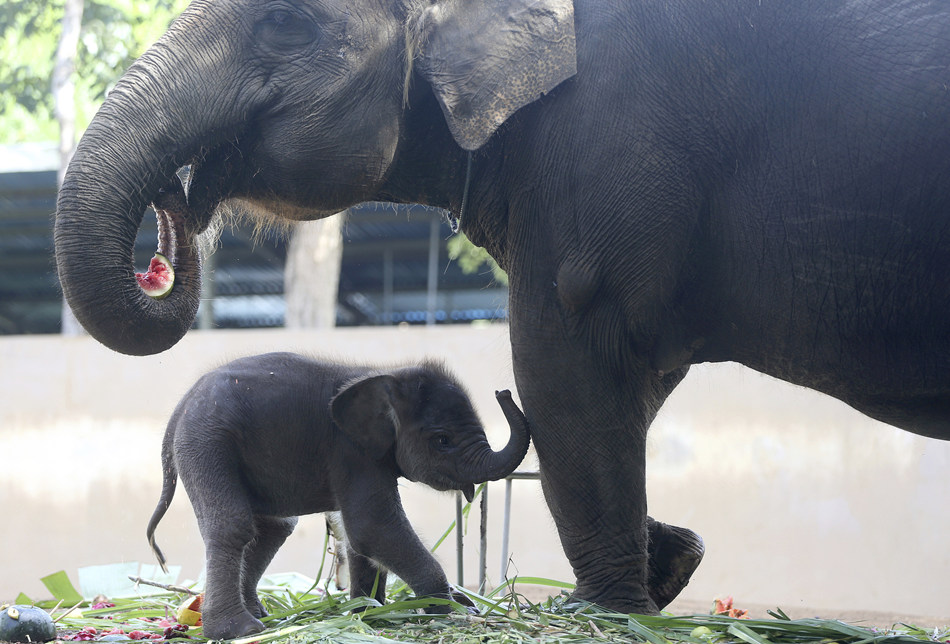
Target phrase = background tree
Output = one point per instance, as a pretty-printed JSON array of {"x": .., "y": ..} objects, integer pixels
[
  {"x": 471, "y": 258},
  {"x": 312, "y": 273},
  {"x": 112, "y": 34},
  {"x": 63, "y": 90},
  {"x": 59, "y": 68}
]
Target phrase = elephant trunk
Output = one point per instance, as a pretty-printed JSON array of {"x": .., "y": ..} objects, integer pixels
[
  {"x": 96, "y": 226},
  {"x": 146, "y": 130},
  {"x": 490, "y": 465}
]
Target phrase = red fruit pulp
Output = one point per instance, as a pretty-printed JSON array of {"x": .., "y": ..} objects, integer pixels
[{"x": 157, "y": 282}]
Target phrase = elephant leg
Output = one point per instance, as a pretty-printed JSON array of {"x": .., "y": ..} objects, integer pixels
[
  {"x": 597, "y": 474},
  {"x": 377, "y": 529},
  {"x": 593, "y": 476},
  {"x": 227, "y": 529},
  {"x": 589, "y": 414},
  {"x": 365, "y": 575},
  {"x": 271, "y": 532},
  {"x": 674, "y": 553}
]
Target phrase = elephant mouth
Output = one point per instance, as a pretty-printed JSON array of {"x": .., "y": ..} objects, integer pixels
[
  {"x": 170, "y": 206},
  {"x": 448, "y": 483},
  {"x": 170, "y": 210},
  {"x": 184, "y": 208},
  {"x": 158, "y": 280}
]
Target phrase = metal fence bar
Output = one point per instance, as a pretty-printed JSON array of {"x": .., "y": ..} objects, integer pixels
[
  {"x": 458, "y": 538},
  {"x": 483, "y": 542},
  {"x": 506, "y": 526},
  {"x": 483, "y": 529},
  {"x": 524, "y": 475}
]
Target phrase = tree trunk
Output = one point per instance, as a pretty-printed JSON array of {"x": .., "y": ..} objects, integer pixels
[
  {"x": 312, "y": 273},
  {"x": 64, "y": 107}
]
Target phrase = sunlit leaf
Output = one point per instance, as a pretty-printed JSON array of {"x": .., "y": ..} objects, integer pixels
[{"x": 61, "y": 588}]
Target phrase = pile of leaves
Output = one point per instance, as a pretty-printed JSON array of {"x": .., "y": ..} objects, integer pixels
[
  {"x": 501, "y": 616},
  {"x": 318, "y": 613},
  {"x": 124, "y": 619}
]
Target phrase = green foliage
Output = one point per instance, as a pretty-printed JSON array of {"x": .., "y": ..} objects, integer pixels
[
  {"x": 502, "y": 616},
  {"x": 62, "y": 588},
  {"x": 471, "y": 258},
  {"x": 306, "y": 614},
  {"x": 114, "y": 33}
]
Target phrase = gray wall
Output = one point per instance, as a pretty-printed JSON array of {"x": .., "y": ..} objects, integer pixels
[{"x": 801, "y": 500}]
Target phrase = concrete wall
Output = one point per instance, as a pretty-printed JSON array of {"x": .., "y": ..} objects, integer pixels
[{"x": 801, "y": 500}]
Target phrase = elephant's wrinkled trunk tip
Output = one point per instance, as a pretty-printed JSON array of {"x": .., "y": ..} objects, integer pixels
[
  {"x": 515, "y": 417},
  {"x": 507, "y": 460}
]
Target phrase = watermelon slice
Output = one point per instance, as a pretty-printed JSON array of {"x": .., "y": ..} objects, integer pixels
[{"x": 158, "y": 281}]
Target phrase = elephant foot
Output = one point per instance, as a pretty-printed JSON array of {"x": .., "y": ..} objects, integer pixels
[
  {"x": 255, "y": 607},
  {"x": 620, "y": 598},
  {"x": 437, "y": 609},
  {"x": 441, "y": 609},
  {"x": 229, "y": 628},
  {"x": 460, "y": 598},
  {"x": 675, "y": 553}
]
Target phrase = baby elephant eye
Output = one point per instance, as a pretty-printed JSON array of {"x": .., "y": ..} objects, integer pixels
[{"x": 442, "y": 441}]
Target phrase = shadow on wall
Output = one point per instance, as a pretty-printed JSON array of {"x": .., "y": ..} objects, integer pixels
[{"x": 801, "y": 500}]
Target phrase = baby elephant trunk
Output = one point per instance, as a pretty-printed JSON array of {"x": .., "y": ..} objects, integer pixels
[{"x": 490, "y": 465}]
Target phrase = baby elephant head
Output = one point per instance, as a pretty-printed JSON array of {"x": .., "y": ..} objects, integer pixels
[{"x": 423, "y": 414}]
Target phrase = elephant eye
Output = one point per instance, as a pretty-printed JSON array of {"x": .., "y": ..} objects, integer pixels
[
  {"x": 285, "y": 30},
  {"x": 442, "y": 441}
]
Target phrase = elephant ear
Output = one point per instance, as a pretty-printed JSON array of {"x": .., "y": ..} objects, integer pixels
[
  {"x": 364, "y": 410},
  {"x": 485, "y": 59}
]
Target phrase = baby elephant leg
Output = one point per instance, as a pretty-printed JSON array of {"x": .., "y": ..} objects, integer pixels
[
  {"x": 270, "y": 534},
  {"x": 365, "y": 575},
  {"x": 227, "y": 530},
  {"x": 377, "y": 529}
]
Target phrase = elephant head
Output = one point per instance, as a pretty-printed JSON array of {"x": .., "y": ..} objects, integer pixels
[
  {"x": 423, "y": 416},
  {"x": 295, "y": 111}
]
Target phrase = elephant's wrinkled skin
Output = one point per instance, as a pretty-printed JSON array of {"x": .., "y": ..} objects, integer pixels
[
  {"x": 267, "y": 438},
  {"x": 764, "y": 182}
]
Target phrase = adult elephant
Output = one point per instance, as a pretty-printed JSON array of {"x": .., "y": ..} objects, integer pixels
[{"x": 666, "y": 182}]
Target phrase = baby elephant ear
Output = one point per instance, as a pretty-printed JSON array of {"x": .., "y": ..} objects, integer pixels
[
  {"x": 364, "y": 411},
  {"x": 485, "y": 59}
]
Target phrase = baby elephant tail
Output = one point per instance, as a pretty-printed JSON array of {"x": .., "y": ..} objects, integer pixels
[{"x": 169, "y": 482}]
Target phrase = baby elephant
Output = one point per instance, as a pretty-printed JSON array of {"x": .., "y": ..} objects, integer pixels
[{"x": 267, "y": 438}]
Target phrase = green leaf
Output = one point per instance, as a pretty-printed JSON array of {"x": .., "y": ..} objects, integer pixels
[
  {"x": 269, "y": 636},
  {"x": 470, "y": 258},
  {"x": 543, "y": 581},
  {"x": 23, "y": 599},
  {"x": 649, "y": 635},
  {"x": 746, "y": 634},
  {"x": 59, "y": 585}
]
